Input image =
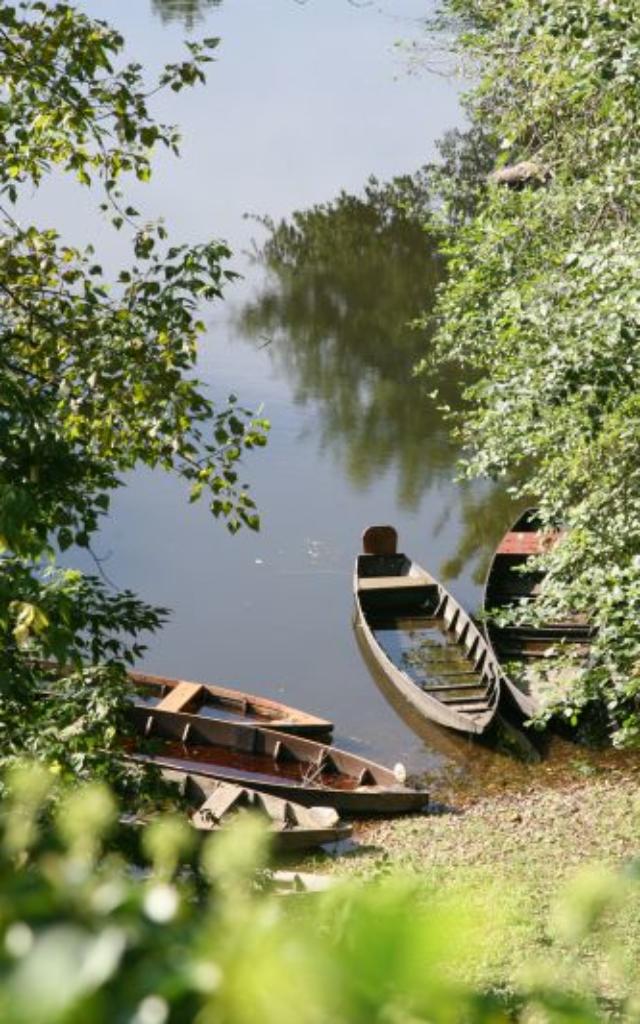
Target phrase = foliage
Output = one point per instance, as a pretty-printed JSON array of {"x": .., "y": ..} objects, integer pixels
[
  {"x": 83, "y": 938},
  {"x": 542, "y": 308},
  {"x": 96, "y": 374}
]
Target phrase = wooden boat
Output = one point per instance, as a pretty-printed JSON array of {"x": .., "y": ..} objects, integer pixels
[
  {"x": 218, "y": 702},
  {"x": 213, "y": 701},
  {"x": 506, "y": 587},
  {"x": 428, "y": 647},
  {"x": 288, "y": 766},
  {"x": 294, "y": 827}
]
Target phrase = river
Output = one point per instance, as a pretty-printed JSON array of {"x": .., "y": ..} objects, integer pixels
[{"x": 303, "y": 101}]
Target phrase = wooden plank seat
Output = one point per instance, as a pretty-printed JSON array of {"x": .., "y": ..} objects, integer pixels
[
  {"x": 392, "y": 582},
  {"x": 528, "y": 543},
  {"x": 180, "y": 696},
  {"x": 440, "y": 688}
]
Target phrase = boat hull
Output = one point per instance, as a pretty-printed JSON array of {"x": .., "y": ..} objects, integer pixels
[
  {"x": 292, "y": 827},
  {"x": 461, "y": 690},
  {"x": 292, "y": 767},
  {"x": 505, "y": 588},
  {"x": 232, "y": 705}
]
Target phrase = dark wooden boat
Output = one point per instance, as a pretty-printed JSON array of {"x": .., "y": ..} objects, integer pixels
[
  {"x": 507, "y": 586},
  {"x": 428, "y": 647},
  {"x": 294, "y": 827},
  {"x": 288, "y": 766},
  {"x": 213, "y": 701}
]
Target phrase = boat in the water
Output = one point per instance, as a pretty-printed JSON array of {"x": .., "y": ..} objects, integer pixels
[
  {"x": 426, "y": 644},
  {"x": 298, "y": 769},
  {"x": 210, "y": 701},
  {"x": 219, "y": 702},
  {"x": 215, "y": 805},
  {"x": 507, "y": 585}
]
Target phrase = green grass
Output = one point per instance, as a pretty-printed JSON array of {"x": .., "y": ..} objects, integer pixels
[{"x": 533, "y": 872}]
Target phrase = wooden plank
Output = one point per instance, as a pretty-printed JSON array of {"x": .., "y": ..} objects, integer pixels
[
  {"x": 180, "y": 696},
  {"x": 528, "y": 543},
  {"x": 380, "y": 540},
  {"x": 393, "y": 582},
  {"x": 478, "y": 685}
]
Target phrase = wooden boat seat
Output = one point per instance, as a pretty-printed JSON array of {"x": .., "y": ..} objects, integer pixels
[
  {"x": 393, "y": 582},
  {"x": 180, "y": 696},
  {"x": 533, "y": 542}
]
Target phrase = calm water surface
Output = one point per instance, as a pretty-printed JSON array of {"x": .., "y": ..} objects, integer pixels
[{"x": 303, "y": 101}]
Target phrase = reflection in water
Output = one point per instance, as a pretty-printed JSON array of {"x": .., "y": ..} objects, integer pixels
[
  {"x": 463, "y": 757},
  {"x": 188, "y": 11},
  {"x": 343, "y": 281},
  {"x": 484, "y": 519}
]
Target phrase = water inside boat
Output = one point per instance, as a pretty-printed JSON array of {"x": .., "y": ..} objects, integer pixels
[
  {"x": 224, "y": 713},
  {"x": 210, "y": 707},
  {"x": 420, "y": 647},
  {"x": 249, "y": 767}
]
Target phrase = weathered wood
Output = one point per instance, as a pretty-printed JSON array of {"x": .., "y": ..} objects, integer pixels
[
  {"x": 380, "y": 540},
  {"x": 270, "y": 762},
  {"x": 466, "y": 706},
  {"x": 293, "y": 827},
  {"x": 180, "y": 696},
  {"x": 505, "y": 588},
  {"x": 394, "y": 582},
  {"x": 268, "y": 713}
]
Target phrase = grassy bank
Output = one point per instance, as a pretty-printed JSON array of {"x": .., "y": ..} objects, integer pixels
[{"x": 532, "y": 872}]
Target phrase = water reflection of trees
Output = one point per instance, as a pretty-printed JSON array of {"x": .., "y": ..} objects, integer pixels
[
  {"x": 343, "y": 280},
  {"x": 190, "y": 12},
  {"x": 485, "y": 515}
]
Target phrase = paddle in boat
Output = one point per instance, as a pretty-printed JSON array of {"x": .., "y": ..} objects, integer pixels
[
  {"x": 430, "y": 650},
  {"x": 291, "y": 767},
  {"x": 507, "y": 586}
]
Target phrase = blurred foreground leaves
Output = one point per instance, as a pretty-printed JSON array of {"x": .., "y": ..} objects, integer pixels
[{"x": 86, "y": 936}]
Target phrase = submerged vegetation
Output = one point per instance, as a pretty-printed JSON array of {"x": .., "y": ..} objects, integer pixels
[{"x": 541, "y": 308}]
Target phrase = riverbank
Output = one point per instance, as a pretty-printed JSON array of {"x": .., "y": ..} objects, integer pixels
[{"x": 508, "y": 861}]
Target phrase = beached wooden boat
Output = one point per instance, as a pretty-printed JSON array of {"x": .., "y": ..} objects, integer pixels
[
  {"x": 291, "y": 767},
  {"x": 507, "y": 586},
  {"x": 216, "y": 804},
  {"x": 213, "y": 701},
  {"x": 428, "y": 647}
]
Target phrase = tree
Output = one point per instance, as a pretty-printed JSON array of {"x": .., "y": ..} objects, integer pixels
[
  {"x": 542, "y": 308},
  {"x": 96, "y": 376}
]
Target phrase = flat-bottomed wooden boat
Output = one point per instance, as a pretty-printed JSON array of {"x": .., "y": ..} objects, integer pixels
[
  {"x": 213, "y": 701},
  {"x": 428, "y": 647},
  {"x": 294, "y": 768},
  {"x": 293, "y": 827}
]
